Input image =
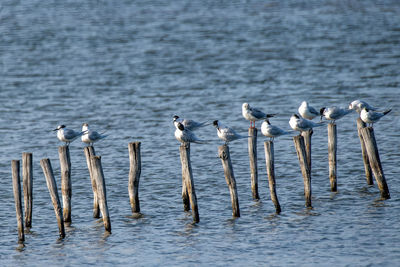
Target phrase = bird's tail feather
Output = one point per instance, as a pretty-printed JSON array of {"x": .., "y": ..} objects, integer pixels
[{"x": 387, "y": 111}]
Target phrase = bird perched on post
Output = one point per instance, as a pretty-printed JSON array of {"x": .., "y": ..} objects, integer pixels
[
  {"x": 254, "y": 114},
  {"x": 334, "y": 113},
  {"x": 89, "y": 137},
  {"x": 358, "y": 105},
  {"x": 227, "y": 134},
  {"x": 188, "y": 124},
  {"x": 307, "y": 111},
  {"x": 67, "y": 135},
  {"x": 271, "y": 131},
  {"x": 184, "y": 135},
  {"x": 300, "y": 124},
  {"x": 370, "y": 116}
]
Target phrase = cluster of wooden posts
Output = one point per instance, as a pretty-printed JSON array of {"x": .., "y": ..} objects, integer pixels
[
  {"x": 302, "y": 145},
  {"x": 63, "y": 212}
]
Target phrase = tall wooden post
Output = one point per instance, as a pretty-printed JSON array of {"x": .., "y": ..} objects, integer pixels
[
  {"x": 223, "y": 153},
  {"x": 188, "y": 177},
  {"x": 252, "y": 144},
  {"x": 66, "y": 185},
  {"x": 134, "y": 175},
  {"x": 89, "y": 151},
  {"x": 307, "y": 142},
  {"x": 367, "y": 167},
  {"x": 52, "y": 186},
  {"x": 17, "y": 198},
  {"x": 332, "y": 150},
  {"x": 269, "y": 161},
  {"x": 374, "y": 160},
  {"x": 301, "y": 154},
  {"x": 27, "y": 182}
]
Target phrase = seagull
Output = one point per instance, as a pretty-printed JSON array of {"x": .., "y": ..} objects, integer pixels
[
  {"x": 307, "y": 111},
  {"x": 227, "y": 134},
  {"x": 188, "y": 124},
  {"x": 370, "y": 116},
  {"x": 271, "y": 131},
  {"x": 184, "y": 135},
  {"x": 334, "y": 113},
  {"x": 89, "y": 137},
  {"x": 358, "y": 105},
  {"x": 300, "y": 124},
  {"x": 253, "y": 114},
  {"x": 67, "y": 135}
]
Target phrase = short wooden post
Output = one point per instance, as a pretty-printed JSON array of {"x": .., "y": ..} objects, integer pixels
[
  {"x": 332, "y": 150},
  {"x": 252, "y": 144},
  {"x": 374, "y": 160},
  {"x": 188, "y": 176},
  {"x": 17, "y": 198},
  {"x": 223, "y": 153},
  {"x": 27, "y": 182},
  {"x": 307, "y": 142},
  {"x": 101, "y": 190},
  {"x": 269, "y": 161},
  {"x": 134, "y": 175},
  {"x": 301, "y": 154},
  {"x": 66, "y": 186},
  {"x": 367, "y": 167},
  {"x": 52, "y": 186},
  {"x": 89, "y": 151}
]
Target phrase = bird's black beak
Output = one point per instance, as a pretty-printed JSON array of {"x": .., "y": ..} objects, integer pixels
[{"x": 55, "y": 130}]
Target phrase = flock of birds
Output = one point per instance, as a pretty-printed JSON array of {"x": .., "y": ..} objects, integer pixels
[{"x": 298, "y": 122}]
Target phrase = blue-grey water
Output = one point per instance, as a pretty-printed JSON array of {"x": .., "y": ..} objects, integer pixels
[{"x": 126, "y": 67}]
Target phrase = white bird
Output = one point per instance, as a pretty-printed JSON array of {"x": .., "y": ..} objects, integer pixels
[
  {"x": 271, "y": 131},
  {"x": 334, "y": 113},
  {"x": 307, "y": 111},
  {"x": 188, "y": 124},
  {"x": 358, "y": 105},
  {"x": 253, "y": 114},
  {"x": 184, "y": 135},
  {"x": 370, "y": 116},
  {"x": 300, "y": 124},
  {"x": 67, "y": 135},
  {"x": 89, "y": 137},
  {"x": 227, "y": 134}
]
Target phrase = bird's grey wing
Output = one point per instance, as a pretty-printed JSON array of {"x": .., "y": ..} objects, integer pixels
[
  {"x": 257, "y": 113},
  {"x": 313, "y": 111},
  {"x": 70, "y": 134}
]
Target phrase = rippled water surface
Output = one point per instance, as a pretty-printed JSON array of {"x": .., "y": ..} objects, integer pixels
[{"x": 126, "y": 67}]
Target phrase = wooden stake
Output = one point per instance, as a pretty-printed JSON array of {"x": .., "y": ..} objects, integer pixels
[
  {"x": 185, "y": 192},
  {"x": 188, "y": 177},
  {"x": 17, "y": 198},
  {"x": 332, "y": 150},
  {"x": 66, "y": 186},
  {"x": 52, "y": 186},
  {"x": 27, "y": 182},
  {"x": 134, "y": 175},
  {"x": 269, "y": 161},
  {"x": 223, "y": 153},
  {"x": 307, "y": 142},
  {"x": 301, "y": 154},
  {"x": 374, "y": 160},
  {"x": 367, "y": 167},
  {"x": 253, "y": 162},
  {"x": 89, "y": 151},
  {"x": 97, "y": 170}
]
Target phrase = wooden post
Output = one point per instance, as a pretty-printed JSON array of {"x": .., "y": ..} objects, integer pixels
[
  {"x": 253, "y": 162},
  {"x": 367, "y": 167},
  {"x": 52, "y": 186},
  {"x": 101, "y": 190},
  {"x": 269, "y": 161},
  {"x": 66, "y": 186},
  {"x": 307, "y": 142},
  {"x": 374, "y": 160},
  {"x": 27, "y": 182},
  {"x": 134, "y": 175},
  {"x": 223, "y": 153},
  {"x": 332, "y": 149},
  {"x": 188, "y": 177},
  {"x": 301, "y": 154},
  {"x": 89, "y": 151},
  {"x": 17, "y": 198},
  {"x": 185, "y": 192}
]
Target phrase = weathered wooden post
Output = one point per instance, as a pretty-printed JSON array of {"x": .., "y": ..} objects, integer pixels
[
  {"x": 89, "y": 151},
  {"x": 187, "y": 176},
  {"x": 134, "y": 175},
  {"x": 374, "y": 160},
  {"x": 332, "y": 150},
  {"x": 307, "y": 142},
  {"x": 367, "y": 167},
  {"x": 301, "y": 154},
  {"x": 27, "y": 182},
  {"x": 17, "y": 198},
  {"x": 66, "y": 185},
  {"x": 101, "y": 190},
  {"x": 269, "y": 161},
  {"x": 252, "y": 144},
  {"x": 223, "y": 153},
  {"x": 52, "y": 186}
]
